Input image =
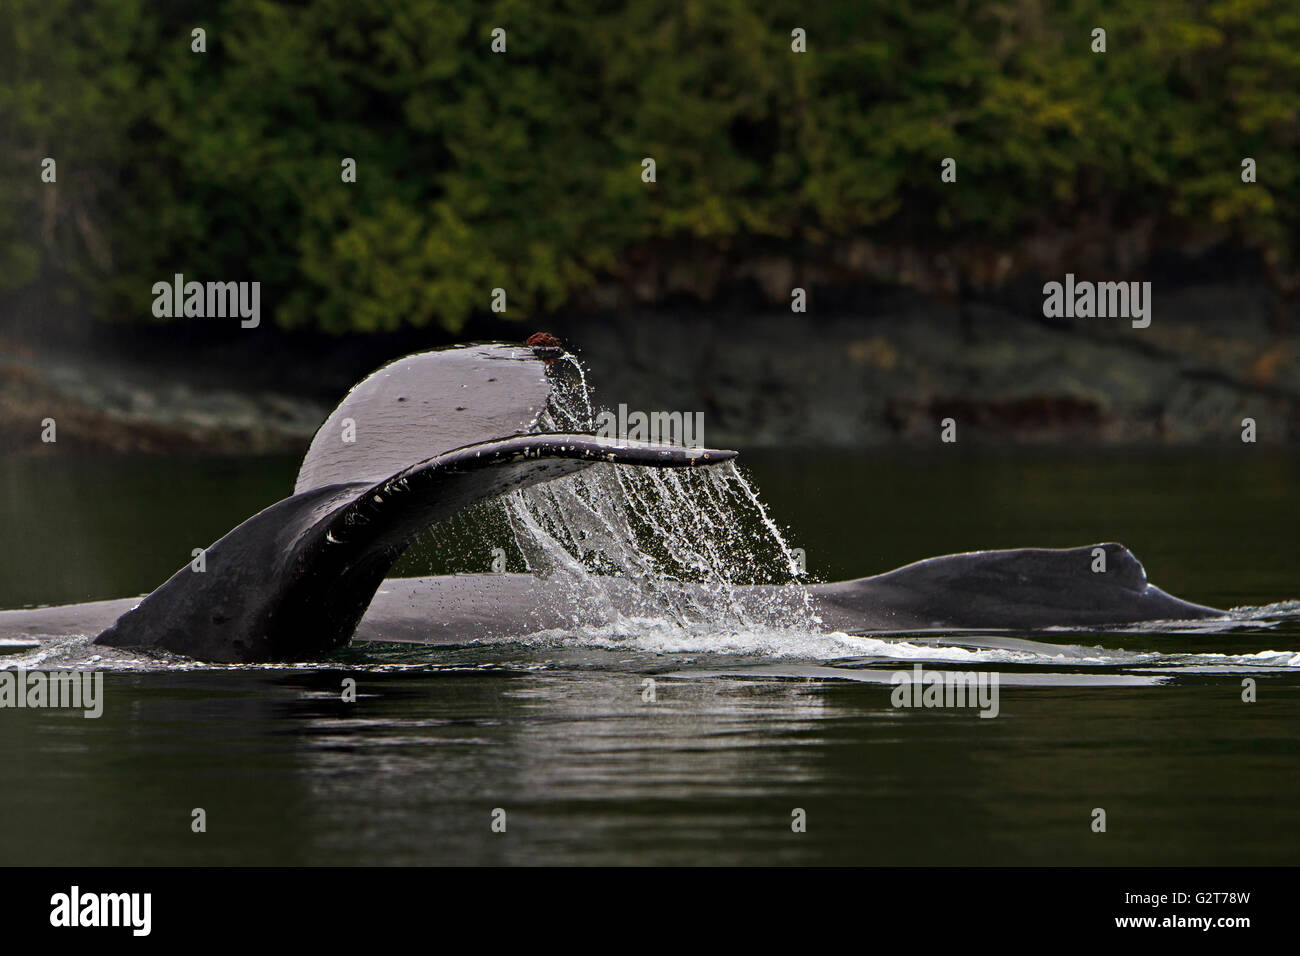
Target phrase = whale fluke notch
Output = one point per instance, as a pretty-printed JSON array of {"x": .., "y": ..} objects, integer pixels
[{"x": 292, "y": 582}]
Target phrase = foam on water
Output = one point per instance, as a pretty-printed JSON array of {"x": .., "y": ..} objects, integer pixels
[
  {"x": 656, "y": 636},
  {"x": 633, "y": 638}
]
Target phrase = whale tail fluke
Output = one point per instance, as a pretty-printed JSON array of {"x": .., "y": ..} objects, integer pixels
[
  {"x": 293, "y": 581},
  {"x": 416, "y": 442},
  {"x": 425, "y": 404}
]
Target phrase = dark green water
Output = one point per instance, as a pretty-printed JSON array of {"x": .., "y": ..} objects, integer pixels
[{"x": 558, "y": 735}]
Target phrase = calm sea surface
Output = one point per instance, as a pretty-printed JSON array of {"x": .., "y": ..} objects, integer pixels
[{"x": 1147, "y": 725}]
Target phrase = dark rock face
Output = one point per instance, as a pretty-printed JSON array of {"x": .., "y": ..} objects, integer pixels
[
  {"x": 898, "y": 365},
  {"x": 104, "y": 406},
  {"x": 864, "y": 366}
]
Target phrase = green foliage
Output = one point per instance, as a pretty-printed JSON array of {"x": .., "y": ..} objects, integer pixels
[
  {"x": 64, "y": 69},
  {"x": 522, "y": 170}
]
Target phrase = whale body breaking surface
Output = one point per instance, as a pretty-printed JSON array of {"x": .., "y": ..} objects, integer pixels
[{"x": 433, "y": 434}]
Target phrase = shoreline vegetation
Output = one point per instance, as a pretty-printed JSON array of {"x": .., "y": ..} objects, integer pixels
[{"x": 890, "y": 187}]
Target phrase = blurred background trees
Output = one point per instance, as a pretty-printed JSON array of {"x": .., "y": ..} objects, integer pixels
[{"x": 523, "y": 170}]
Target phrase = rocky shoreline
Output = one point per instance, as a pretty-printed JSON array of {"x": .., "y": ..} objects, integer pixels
[
  {"x": 108, "y": 406},
  {"x": 1213, "y": 356},
  {"x": 861, "y": 369}
]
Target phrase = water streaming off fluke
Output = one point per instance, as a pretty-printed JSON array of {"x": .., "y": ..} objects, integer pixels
[{"x": 654, "y": 530}]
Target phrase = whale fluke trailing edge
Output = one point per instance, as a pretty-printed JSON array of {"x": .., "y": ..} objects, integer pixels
[{"x": 434, "y": 433}]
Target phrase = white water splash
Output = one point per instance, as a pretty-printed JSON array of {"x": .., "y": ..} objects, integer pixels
[
  {"x": 655, "y": 528},
  {"x": 655, "y": 636}
]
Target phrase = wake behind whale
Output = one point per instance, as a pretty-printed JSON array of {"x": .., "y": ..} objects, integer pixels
[{"x": 623, "y": 540}]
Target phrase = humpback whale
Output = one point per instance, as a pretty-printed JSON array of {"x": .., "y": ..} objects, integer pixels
[{"x": 432, "y": 434}]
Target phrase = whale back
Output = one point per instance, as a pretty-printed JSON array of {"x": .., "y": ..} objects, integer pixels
[
  {"x": 422, "y": 405},
  {"x": 1029, "y": 588}
]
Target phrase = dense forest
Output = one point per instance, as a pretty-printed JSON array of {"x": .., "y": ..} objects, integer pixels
[{"x": 504, "y": 144}]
